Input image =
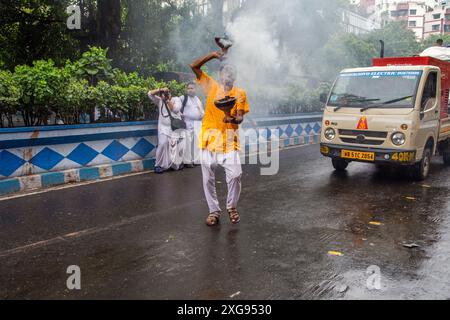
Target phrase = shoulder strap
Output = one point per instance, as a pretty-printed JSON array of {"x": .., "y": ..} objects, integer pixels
[
  {"x": 168, "y": 110},
  {"x": 185, "y": 101}
]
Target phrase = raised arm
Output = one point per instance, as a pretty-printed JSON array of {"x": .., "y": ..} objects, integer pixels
[
  {"x": 158, "y": 92},
  {"x": 197, "y": 65}
]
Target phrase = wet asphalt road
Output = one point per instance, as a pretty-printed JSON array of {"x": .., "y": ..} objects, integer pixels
[{"x": 144, "y": 237}]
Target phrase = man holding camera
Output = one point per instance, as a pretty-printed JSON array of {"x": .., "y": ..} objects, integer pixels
[
  {"x": 169, "y": 154},
  {"x": 219, "y": 137}
]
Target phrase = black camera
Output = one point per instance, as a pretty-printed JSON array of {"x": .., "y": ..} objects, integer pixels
[{"x": 165, "y": 94}]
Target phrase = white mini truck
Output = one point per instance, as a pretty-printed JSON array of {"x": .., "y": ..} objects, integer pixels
[{"x": 394, "y": 113}]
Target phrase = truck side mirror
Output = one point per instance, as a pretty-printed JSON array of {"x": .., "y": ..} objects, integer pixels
[{"x": 323, "y": 97}]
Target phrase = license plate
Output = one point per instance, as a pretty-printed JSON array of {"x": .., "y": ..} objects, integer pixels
[{"x": 367, "y": 156}]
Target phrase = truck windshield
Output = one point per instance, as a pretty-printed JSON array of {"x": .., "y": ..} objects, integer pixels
[{"x": 392, "y": 89}]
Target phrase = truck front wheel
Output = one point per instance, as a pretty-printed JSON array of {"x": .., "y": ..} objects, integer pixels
[
  {"x": 339, "y": 164},
  {"x": 422, "y": 169}
]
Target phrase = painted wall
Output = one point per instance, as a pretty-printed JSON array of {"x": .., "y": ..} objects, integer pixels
[
  {"x": 28, "y": 151},
  {"x": 33, "y": 158}
]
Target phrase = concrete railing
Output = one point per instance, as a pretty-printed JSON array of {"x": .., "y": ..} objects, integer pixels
[{"x": 38, "y": 157}]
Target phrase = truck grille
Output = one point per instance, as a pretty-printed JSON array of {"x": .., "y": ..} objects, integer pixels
[
  {"x": 364, "y": 137},
  {"x": 366, "y": 141}
]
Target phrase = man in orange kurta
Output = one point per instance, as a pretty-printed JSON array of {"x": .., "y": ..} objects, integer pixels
[{"x": 219, "y": 138}]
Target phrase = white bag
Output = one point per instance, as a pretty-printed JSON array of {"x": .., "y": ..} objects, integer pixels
[{"x": 441, "y": 53}]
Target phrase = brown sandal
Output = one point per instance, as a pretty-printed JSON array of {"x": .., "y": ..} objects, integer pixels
[
  {"x": 234, "y": 216},
  {"x": 213, "y": 219}
]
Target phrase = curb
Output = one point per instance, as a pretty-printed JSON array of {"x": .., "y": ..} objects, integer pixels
[{"x": 52, "y": 179}]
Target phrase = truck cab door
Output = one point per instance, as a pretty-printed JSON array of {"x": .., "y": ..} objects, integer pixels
[{"x": 429, "y": 110}]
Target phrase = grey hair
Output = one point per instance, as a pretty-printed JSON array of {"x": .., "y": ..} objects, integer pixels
[{"x": 230, "y": 68}]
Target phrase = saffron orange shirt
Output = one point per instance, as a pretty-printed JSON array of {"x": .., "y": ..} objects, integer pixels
[{"x": 217, "y": 136}]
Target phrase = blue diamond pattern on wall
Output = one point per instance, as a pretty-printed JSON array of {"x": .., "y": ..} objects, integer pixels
[
  {"x": 317, "y": 128},
  {"x": 143, "y": 148},
  {"x": 308, "y": 129},
  {"x": 82, "y": 154},
  {"x": 115, "y": 151},
  {"x": 289, "y": 131},
  {"x": 299, "y": 130},
  {"x": 47, "y": 159},
  {"x": 9, "y": 163}
]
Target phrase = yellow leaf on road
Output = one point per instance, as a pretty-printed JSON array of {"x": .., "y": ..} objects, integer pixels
[
  {"x": 335, "y": 253},
  {"x": 375, "y": 223}
]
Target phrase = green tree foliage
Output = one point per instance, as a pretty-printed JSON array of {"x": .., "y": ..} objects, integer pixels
[
  {"x": 33, "y": 30},
  {"x": 72, "y": 92},
  {"x": 10, "y": 93},
  {"x": 431, "y": 40},
  {"x": 344, "y": 51},
  {"x": 93, "y": 65},
  {"x": 399, "y": 40},
  {"x": 109, "y": 62},
  {"x": 42, "y": 87}
]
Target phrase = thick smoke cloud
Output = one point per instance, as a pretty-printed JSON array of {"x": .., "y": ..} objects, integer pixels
[{"x": 276, "y": 43}]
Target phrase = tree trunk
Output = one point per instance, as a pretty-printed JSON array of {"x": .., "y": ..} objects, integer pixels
[{"x": 109, "y": 24}]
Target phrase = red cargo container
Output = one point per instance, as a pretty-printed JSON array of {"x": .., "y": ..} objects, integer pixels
[{"x": 423, "y": 61}]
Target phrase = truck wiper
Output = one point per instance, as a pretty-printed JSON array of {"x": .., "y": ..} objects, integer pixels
[
  {"x": 385, "y": 103},
  {"x": 353, "y": 98}
]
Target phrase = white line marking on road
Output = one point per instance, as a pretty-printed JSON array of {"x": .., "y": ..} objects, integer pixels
[
  {"x": 90, "y": 231},
  {"x": 69, "y": 186}
]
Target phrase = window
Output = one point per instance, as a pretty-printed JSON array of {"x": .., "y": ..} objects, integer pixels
[
  {"x": 360, "y": 89},
  {"x": 429, "y": 92},
  {"x": 399, "y": 13},
  {"x": 436, "y": 16},
  {"x": 412, "y": 12},
  {"x": 412, "y": 23},
  {"x": 436, "y": 27}
]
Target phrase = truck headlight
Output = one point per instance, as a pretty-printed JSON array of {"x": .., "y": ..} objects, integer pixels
[
  {"x": 398, "y": 138},
  {"x": 330, "y": 134}
]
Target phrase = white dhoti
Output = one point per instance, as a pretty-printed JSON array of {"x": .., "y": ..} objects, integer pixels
[
  {"x": 189, "y": 148},
  {"x": 193, "y": 115},
  {"x": 170, "y": 151},
  {"x": 171, "y": 145},
  {"x": 233, "y": 170}
]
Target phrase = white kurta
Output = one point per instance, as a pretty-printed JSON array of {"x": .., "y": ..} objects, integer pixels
[
  {"x": 170, "y": 151},
  {"x": 193, "y": 111},
  {"x": 193, "y": 116}
]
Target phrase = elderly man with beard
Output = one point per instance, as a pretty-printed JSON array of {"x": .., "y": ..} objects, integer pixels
[
  {"x": 193, "y": 113},
  {"x": 219, "y": 137}
]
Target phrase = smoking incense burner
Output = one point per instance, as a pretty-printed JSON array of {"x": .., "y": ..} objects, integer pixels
[
  {"x": 225, "y": 44},
  {"x": 226, "y": 104}
]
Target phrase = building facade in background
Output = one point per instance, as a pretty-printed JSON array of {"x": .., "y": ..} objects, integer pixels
[
  {"x": 437, "y": 21},
  {"x": 424, "y": 17},
  {"x": 358, "y": 24}
]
